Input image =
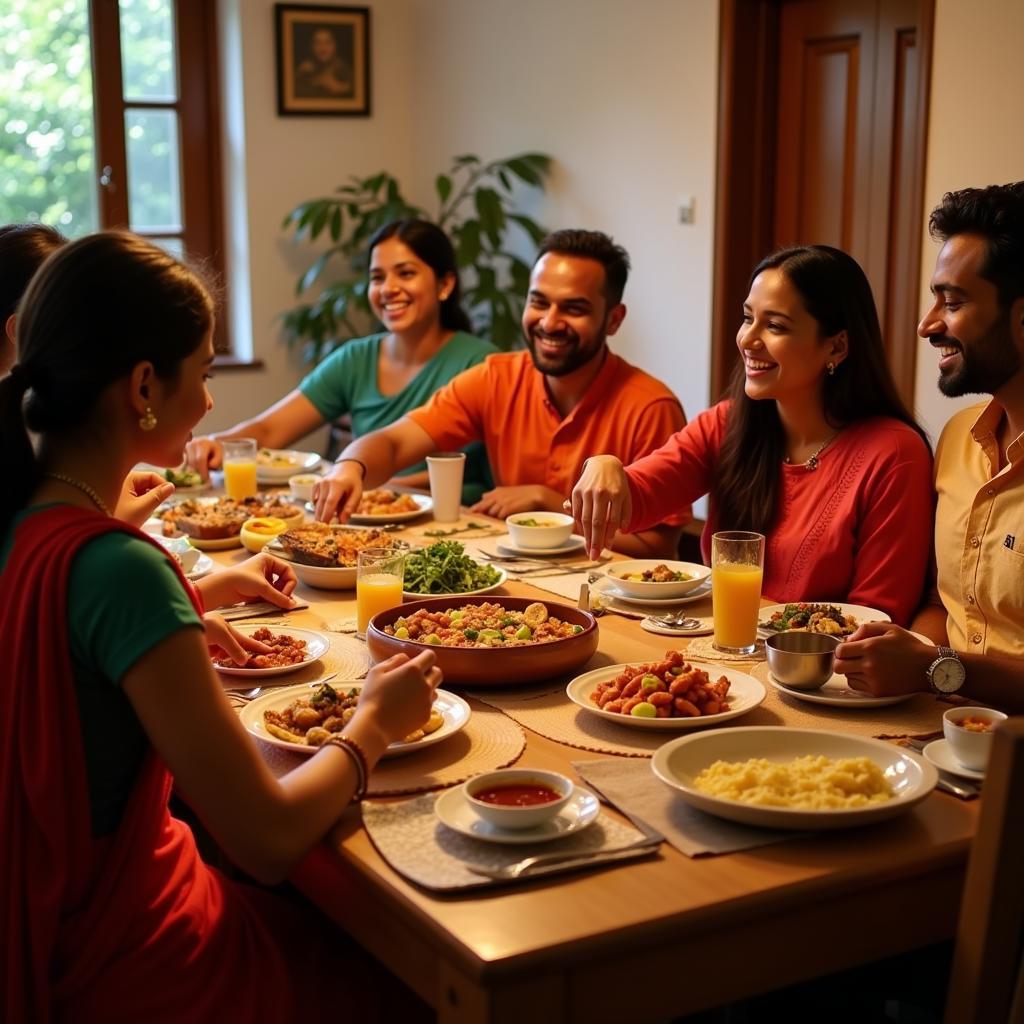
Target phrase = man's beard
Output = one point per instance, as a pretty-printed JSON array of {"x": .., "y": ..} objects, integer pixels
[
  {"x": 574, "y": 356},
  {"x": 985, "y": 366}
]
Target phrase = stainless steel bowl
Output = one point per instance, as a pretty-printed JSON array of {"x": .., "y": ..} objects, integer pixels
[{"x": 801, "y": 661}]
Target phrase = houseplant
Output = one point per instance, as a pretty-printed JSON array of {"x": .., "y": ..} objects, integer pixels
[{"x": 474, "y": 205}]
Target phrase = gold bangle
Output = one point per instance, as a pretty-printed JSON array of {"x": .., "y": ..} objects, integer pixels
[
  {"x": 358, "y": 462},
  {"x": 355, "y": 752}
]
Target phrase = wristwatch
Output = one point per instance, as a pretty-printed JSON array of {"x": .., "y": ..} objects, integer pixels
[{"x": 946, "y": 674}]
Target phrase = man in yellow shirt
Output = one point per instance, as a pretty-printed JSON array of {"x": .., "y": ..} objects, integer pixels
[{"x": 976, "y": 323}]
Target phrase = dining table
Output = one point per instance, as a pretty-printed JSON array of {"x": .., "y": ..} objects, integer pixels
[{"x": 650, "y": 939}]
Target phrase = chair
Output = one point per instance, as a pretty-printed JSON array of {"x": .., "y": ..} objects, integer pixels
[{"x": 987, "y": 975}]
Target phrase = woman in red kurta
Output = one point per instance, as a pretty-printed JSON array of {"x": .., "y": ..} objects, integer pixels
[
  {"x": 107, "y": 688},
  {"x": 813, "y": 448}
]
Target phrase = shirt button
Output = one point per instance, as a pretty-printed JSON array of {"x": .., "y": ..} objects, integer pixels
[
  {"x": 970, "y": 599},
  {"x": 976, "y": 639},
  {"x": 991, "y": 490},
  {"x": 975, "y": 542}
]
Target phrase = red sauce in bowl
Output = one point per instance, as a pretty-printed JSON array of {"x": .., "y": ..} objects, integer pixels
[{"x": 518, "y": 795}]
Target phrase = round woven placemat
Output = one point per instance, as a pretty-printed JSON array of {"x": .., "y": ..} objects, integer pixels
[
  {"x": 703, "y": 649},
  {"x": 489, "y": 740}
]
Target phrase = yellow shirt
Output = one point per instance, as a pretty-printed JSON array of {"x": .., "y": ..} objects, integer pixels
[{"x": 979, "y": 533}]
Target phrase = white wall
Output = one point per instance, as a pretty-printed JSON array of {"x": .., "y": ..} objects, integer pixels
[{"x": 974, "y": 136}]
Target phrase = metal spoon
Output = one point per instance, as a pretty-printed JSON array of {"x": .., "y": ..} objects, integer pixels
[{"x": 248, "y": 695}]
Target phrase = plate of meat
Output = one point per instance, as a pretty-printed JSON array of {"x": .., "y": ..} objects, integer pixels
[{"x": 293, "y": 649}]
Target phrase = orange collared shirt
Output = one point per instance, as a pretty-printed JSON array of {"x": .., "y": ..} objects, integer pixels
[
  {"x": 505, "y": 403},
  {"x": 979, "y": 534}
]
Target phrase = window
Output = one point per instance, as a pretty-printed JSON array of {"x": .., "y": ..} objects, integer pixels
[{"x": 111, "y": 118}]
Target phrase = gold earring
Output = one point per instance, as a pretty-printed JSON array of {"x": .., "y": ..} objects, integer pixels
[
  {"x": 148, "y": 421},
  {"x": 831, "y": 367},
  {"x": 443, "y": 296}
]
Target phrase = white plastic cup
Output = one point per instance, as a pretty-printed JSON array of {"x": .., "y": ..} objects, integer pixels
[{"x": 445, "y": 470}]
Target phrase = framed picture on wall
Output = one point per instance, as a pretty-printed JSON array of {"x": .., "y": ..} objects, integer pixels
[{"x": 323, "y": 60}]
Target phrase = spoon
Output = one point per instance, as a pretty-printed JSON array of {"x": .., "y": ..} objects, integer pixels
[{"x": 257, "y": 690}]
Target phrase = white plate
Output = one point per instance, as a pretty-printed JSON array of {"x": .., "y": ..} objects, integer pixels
[
  {"x": 454, "y": 811},
  {"x": 940, "y": 753},
  {"x": 657, "y": 602},
  {"x": 574, "y": 543},
  {"x": 204, "y": 565},
  {"x": 745, "y": 694},
  {"x": 858, "y": 611},
  {"x": 838, "y": 694},
  {"x": 342, "y": 577},
  {"x": 502, "y": 577},
  {"x": 317, "y": 646},
  {"x": 220, "y": 544},
  {"x": 453, "y": 708},
  {"x": 298, "y": 462},
  {"x": 679, "y": 761},
  {"x": 705, "y": 628},
  {"x": 646, "y": 590},
  {"x": 422, "y": 500}
]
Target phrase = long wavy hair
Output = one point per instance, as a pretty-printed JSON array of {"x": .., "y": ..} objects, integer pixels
[
  {"x": 95, "y": 309},
  {"x": 836, "y": 292}
]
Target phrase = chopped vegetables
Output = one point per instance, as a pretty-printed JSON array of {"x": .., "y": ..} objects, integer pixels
[{"x": 445, "y": 568}]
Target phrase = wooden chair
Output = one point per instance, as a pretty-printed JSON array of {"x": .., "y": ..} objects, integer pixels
[{"x": 987, "y": 976}]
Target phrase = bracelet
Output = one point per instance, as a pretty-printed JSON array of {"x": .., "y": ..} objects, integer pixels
[
  {"x": 358, "y": 462},
  {"x": 358, "y": 756}
]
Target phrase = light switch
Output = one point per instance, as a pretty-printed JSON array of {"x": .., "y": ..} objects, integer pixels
[{"x": 687, "y": 210}]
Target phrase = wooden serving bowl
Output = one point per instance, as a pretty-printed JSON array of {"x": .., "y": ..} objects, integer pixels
[{"x": 490, "y": 666}]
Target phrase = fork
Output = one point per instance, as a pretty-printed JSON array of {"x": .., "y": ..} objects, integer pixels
[
  {"x": 640, "y": 848},
  {"x": 676, "y": 620},
  {"x": 244, "y": 696},
  {"x": 966, "y": 789}
]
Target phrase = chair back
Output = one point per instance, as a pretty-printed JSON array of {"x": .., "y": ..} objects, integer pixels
[{"x": 987, "y": 975}]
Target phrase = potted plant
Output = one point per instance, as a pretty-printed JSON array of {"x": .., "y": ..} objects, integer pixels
[{"x": 474, "y": 205}]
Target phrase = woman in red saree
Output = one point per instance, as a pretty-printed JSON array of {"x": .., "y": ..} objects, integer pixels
[{"x": 107, "y": 689}]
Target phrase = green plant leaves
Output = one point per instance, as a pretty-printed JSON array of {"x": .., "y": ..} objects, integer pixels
[{"x": 443, "y": 184}]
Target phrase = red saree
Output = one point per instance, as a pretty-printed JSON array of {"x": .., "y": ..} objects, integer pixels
[{"x": 133, "y": 926}]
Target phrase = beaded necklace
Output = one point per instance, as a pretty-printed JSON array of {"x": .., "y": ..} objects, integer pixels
[{"x": 88, "y": 491}]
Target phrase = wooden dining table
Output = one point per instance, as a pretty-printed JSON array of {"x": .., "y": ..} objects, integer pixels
[{"x": 650, "y": 939}]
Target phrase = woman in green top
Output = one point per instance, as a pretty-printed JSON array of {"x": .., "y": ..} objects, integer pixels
[{"x": 414, "y": 292}]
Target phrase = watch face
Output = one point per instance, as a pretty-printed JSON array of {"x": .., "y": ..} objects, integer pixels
[{"x": 948, "y": 675}]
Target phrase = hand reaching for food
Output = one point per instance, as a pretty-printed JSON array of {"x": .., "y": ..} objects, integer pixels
[
  {"x": 225, "y": 641},
  {"x": 142, "y": 492},
  {"x": 262, "y": 578},
  {"x": 600, "y": 503},
  {"x": 399, "y": 694}
]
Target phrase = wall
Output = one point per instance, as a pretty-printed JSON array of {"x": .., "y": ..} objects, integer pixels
[{"x": 974, "y": 136}]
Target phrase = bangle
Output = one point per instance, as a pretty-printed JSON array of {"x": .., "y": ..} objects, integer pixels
[
  {"x": 356, "y": 753},
  {"x": 358, "y": 462}
]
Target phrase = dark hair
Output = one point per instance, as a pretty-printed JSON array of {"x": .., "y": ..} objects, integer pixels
[
  {"x": 23, "y": 248},
  {"x": 837, "y": 294},
  {"x": 997, "y": 214},
  {"x": 433, "y": 246},
  {"x": 592, "y": 245},
  {"x": 97, "y": 308}
]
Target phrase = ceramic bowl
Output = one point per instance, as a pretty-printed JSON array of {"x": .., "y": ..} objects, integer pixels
[
  {"x": 257, "y": 533},
  {"x": 970, "y": 747},
  {"x": 490, "y": 666},
  {"x": 641, "y": 589},
  {"x": 557, "y": 529},
  {"x": 505, "y": 816},
  {"x": 801, "y": 661},
  {"x": 301, "y": 486}
]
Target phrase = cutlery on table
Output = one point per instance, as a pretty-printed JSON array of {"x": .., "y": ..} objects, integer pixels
[
  {"x": 641, "y": 848},
  {"x": 247, "y": 695},
  {"x": 966, "y": 789},
  {"x": 676, "y": 620}
]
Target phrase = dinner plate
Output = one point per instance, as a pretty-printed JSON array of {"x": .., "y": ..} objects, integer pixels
[
  {"x": 658, "y": 602},
  {"x": 745, "y": 694},
  {"x": 453, "y": 709},
  {"x": 861, "y": 613},
  {"x": 203, "y": 566},
  {"x": 574, "y": 543},
  {"x": 423, "y": 501},
  {"x": 837, "y": 693},
  {"x": 453, "y": 809},
  {"x": 298, "y": 462},
  {"x": 219, "y": 544},
  {"x": 940, "y": 753},
  {"x": 502, "y": 577},
  {"x": 681, "y": 760},
  {"x": 317, "y": 646}
]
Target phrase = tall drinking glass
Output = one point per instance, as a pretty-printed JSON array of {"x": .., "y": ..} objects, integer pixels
[
  {"x": 737, "y": 565},
  {"x": 239, "y": 457},
  {"x": 445, "y": 470},
  {"x": 379, "y": 576}
]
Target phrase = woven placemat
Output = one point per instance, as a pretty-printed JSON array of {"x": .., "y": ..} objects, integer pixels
[
  {"x": 703, "y": 649},
  {"x": 490, "y": 740}
]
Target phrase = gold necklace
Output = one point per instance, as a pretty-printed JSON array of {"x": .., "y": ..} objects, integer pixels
[
  {"x": 812, "y": 463},
  {"x": 88, "y": 491}
]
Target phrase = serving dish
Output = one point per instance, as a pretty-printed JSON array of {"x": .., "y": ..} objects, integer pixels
[
  {"x": 423, "y": 502},
  {"x": 276, "y": 465},
  {"x": 645, "y": 590},
  {"x": 500, "y": 582},
  {"x": 860, "y": 612}
]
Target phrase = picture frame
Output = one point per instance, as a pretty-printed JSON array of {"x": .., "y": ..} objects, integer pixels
[{"x": 323, "y": 60}]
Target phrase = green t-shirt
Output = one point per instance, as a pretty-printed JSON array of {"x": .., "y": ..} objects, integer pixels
[
  {"x": 123, "y": 598},
  {"x": 346, "y": 382}
]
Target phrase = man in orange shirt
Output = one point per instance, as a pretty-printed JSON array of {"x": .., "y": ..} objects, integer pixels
[{"x": 541, "y": 412}]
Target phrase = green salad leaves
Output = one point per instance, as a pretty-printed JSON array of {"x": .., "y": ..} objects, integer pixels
[{"x": 445, "y": 568}]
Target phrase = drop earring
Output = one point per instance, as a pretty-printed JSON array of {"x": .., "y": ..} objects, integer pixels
[
  {"x": 831, "y": 367},
  {"x": 148, "y": 420}
]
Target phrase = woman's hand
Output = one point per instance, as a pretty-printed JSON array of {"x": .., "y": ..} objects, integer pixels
[
  {"x": 261, "y": 578},
  {"x": 398, "y": 695},
  {"x": 600, "y": 503},
  {"x": 338, "y": 493},
  {"x": 203, "y": 454},
  {"x": 884, "y": 660},
  {"x": 223, "y": 639},
  {"x": 141, "y": 494}
]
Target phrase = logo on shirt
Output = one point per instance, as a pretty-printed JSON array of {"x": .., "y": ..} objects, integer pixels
[{"x": 1010, "y": 540}]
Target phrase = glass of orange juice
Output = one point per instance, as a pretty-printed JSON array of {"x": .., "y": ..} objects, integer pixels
[
  {"x": 239, "y": 458},
  {"x": 379, "y": 576},
  {"x": 737, "y": 565}
]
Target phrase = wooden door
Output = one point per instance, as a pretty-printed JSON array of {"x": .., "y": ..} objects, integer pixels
[{"x": 821, "y": 140}]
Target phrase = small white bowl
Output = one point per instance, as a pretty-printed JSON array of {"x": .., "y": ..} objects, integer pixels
[
  {"x": 511, "y": 817},
  {"x": 970, "y": 748},
  {"x": 302, "y": 486},
  {"x": 182, "y": 550},
  {"x": 547, "y": 536},
  {"x": 617, "y": 572}
]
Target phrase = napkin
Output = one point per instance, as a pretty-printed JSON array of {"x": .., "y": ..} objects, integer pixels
[
  {"x": 635, "y": 790},
  {"x": 411, "y": 839}
]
